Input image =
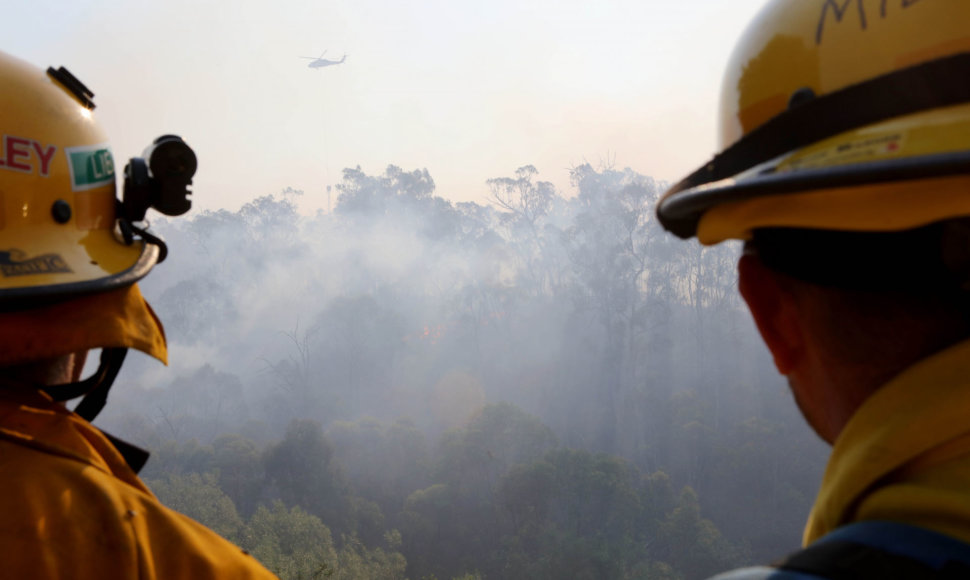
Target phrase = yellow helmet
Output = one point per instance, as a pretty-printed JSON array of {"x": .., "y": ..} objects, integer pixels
[
  {"x": 70, "y": 251},
  {"x": 58, "y": 211},
  {"x": 841, "y": 115}
]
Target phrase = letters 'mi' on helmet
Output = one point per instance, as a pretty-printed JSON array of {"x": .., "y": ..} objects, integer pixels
[
  {"x": 70, "y": 252},
  {"x": 841, "y": 115}
]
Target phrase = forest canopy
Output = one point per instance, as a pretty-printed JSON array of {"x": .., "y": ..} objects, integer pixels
[{"x": 541, "y": 385}]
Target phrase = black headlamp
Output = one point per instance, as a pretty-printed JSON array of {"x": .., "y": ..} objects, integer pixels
[{"x": 159, "y": 179}]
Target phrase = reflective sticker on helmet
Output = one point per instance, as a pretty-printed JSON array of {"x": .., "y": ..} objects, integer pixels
[
  {"x": 15, "y": 262},
  {"x": 858, "y": 150},
  {"x": 91, "y": 166},
  {"x": 26, "y": 155}
]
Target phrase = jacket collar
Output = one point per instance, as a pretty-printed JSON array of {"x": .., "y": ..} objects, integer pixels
[{"x": 921, "y": 415}]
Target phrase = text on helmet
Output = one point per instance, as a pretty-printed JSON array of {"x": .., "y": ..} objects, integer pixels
[
  {"x": 838, "y": 9},
  {"x": 26, "y": 155}
]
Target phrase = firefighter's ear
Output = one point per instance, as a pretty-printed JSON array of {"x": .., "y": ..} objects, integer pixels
[{"x": 774, "y": 309}]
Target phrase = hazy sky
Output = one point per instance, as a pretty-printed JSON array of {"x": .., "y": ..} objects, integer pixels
[{"x": 467, "y": 90}]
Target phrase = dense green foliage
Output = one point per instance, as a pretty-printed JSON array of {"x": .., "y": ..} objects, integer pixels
[
  {"x": 541, "y": 387},
  {"x": 501, "y": 500}
]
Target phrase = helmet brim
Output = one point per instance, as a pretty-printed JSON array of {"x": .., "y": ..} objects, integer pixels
[
  {"x": 898, "y": 154},
  {"x": 56, "y": 263}
]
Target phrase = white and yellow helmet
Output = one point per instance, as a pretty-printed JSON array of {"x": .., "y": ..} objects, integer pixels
[{"x": 849, "y": 116}]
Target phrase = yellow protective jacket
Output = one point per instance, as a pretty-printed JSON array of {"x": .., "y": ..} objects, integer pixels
[
  {"x": 70, "y": 507},
  {"x": 905, "y": 454}
]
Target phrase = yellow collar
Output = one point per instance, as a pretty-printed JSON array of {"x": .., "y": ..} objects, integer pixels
[
  {"x": 29, "y": 418},
  {"x": 920, "y": 417}
]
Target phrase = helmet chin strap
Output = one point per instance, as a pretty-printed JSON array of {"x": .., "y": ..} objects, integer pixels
[{"x": 95, "y": 388}]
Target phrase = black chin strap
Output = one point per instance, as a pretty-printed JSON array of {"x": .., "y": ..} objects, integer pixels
[{"x": 95, "y": 388}]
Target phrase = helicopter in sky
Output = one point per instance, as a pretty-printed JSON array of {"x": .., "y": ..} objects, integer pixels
[{"x": 320, "y": 62}]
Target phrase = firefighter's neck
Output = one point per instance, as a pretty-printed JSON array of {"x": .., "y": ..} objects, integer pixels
[{"x": 50, "y": 371}]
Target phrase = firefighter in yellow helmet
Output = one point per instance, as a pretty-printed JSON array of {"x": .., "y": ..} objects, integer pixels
[
  {"x": 70, "y": 253},
  {"x": 844, "y": 165}
]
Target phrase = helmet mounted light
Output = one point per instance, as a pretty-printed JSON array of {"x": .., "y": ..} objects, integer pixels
[{"x": 160, "y": 179}]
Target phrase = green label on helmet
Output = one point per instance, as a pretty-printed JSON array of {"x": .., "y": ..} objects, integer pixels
[{"x": 91, "y": 166}]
